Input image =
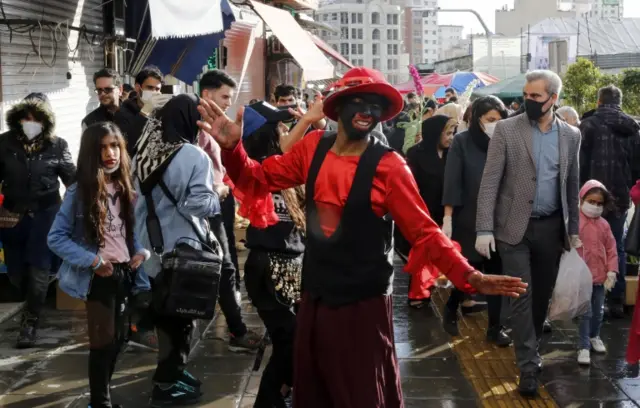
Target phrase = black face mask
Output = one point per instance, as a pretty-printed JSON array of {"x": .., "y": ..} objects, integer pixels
[
  {"x": 534, "y": 109},
  {"x": 365, "y": 105}
]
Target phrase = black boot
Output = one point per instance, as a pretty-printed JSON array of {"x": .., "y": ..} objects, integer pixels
[
  {"x": 497, "y": 336},
  {"x": 450, "y": 322},
  {"x": 28, "y": 331}
]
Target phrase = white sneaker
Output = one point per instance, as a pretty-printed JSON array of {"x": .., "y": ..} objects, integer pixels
[
  {"x": 598, "y": 345},
  {"x": 584, "y": 357},
  {"x": 238, "y": 297}
]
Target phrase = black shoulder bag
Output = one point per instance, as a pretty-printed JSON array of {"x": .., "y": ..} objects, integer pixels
[{"x": 188, "y": 283}]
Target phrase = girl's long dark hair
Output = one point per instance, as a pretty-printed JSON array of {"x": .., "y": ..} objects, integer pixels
[{"x": 92, "y": 183}]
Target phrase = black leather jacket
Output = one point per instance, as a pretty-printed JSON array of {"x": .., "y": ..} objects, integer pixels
[{"x": 31, "y": 182}]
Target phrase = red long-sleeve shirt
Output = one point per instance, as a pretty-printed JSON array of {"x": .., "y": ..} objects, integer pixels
[{"x": 394, "y": 191}]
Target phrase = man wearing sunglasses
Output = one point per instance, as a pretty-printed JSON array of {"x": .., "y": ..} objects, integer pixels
[
  {"x": 344, "y": 352},
  {"x": 108, "y": 87}
]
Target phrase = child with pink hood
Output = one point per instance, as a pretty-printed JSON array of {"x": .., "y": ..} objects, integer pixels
[{"x": 601, "y": 256}]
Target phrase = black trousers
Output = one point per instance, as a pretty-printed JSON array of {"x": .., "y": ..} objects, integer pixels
[
  {"x": 28, "y": 257},
  {"x": 174, "y": 342},
  {"x": 280, "y": 321},
  {"x": 228, "y": 208},
  {"x": 494, "y": 303},
  {"x": 107, "y": 318},
  {"x": 226, "y": 295}
]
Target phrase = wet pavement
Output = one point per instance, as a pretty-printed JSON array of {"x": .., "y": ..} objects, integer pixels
[{"x": 437, "y": 371}]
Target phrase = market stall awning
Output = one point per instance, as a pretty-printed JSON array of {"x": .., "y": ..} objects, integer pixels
[
  {"x": 510, "y": 88},
  {"x": 297, "y": 42},
  {"x": 181, "y": 57},
  {"x": 327, "y": 49},
  {"x": 436, "y": 84}
]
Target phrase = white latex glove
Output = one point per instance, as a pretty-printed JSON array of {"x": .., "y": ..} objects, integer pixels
[
  {"x": 575, "y": 242},
  {"x": 612, "y": 277},
  {"x": 485, "y": 244},
  {"x": 447, "y": 226}
]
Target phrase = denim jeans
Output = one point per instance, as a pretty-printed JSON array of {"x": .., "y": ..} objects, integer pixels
[
  {"x": 616, "y": 222},
  {"x": 590, "y": 323}
]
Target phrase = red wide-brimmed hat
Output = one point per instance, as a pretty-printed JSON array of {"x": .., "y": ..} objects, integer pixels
[{"x": 360, "y": 80}]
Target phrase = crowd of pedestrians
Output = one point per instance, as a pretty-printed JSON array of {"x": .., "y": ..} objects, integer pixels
[{"x": 487, "y": 196}]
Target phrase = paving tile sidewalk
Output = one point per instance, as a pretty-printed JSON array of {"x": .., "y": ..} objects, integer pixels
[{"x": 437, "y": 371}]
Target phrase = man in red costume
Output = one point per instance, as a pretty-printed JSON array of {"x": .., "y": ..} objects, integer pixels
[{"x": 344, "y": 352}]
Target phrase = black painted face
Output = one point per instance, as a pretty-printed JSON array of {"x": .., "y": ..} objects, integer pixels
[{"x": 360, "y": 114}]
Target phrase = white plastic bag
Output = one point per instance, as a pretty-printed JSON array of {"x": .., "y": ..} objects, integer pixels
[{"x": 572, "y": 293}]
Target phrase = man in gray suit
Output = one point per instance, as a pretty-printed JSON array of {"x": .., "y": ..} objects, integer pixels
[{"x": 528, "y": 205}]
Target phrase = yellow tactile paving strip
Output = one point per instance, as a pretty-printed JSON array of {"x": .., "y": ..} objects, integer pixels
[{"x": 491, "y": 370}]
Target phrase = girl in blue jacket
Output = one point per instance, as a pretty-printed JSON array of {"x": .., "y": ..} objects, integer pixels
[{"x": 93, "y": 233}]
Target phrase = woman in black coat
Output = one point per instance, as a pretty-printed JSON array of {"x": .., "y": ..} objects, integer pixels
[
  {"x": 32, "y": 163},
  {"x": 462, "y": 177},
  {"x": 427, "y": 163}
]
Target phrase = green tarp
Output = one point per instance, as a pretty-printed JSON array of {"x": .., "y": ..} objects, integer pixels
[{"x": 507, "y": 89}]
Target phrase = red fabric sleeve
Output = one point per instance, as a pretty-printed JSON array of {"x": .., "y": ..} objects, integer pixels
[
  {"x": 254, "y": 182},
  {"x": 635, "y": 193},
  {"x": 430, "y": 247}
]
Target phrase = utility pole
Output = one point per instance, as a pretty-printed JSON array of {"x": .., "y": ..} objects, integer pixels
[{"x": 488, "y": 33}]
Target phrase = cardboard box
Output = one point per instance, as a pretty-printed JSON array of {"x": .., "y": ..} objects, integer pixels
[
  {"x": 632, "y": 290},
  {"x": 66, "y": 302}
]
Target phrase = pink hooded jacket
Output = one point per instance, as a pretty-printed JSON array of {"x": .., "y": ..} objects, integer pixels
[{"x": 598, "y": 244}]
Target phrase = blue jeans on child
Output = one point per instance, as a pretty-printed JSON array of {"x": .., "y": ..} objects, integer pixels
[{"x": 590, "y": 323}]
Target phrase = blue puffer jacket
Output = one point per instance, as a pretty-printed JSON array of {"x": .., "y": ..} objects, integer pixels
[{"x": 67, "y": 240}]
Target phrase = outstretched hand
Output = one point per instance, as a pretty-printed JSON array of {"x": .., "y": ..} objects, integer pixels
[
  {"x": 215, "y": 122},
  {"x": 497, "y": 285}
]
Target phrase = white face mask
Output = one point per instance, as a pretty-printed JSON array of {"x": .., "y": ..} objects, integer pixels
[
  {"x": 31, "y": 129},
  {"x": 490, "y": 128},
  {"x": 111, "y": 170},
  {"x": 147, "y": 95},
  {"x": 591, "y": 211}
]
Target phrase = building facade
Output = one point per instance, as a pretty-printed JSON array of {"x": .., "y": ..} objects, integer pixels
[
  {"x": 450, "y": 37},
  {"x": 368, "y": 33}
]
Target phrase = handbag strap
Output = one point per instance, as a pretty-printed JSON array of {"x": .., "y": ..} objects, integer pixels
[{"x": 155, "y": 234}]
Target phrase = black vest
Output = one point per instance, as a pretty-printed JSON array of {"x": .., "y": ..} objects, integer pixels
[{"x": 356, "y": 262}]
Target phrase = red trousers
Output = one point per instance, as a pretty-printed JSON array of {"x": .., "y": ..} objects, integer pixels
[
  {"x": 345, "y": 357},
  {"x": 633, "y": 347}
]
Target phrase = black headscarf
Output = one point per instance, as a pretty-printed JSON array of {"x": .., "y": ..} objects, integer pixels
[
  {"x": 180, "y": 118},
  {"x": 166, "y": 131},
  {"x": 428, "y": 167}
]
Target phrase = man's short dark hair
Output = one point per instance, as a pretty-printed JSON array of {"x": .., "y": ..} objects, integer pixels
[
  {"x": 284, "y": 90},
  {"x": 150, "y": 71},
  {"x": 610, "y": 95},
  {"x": 453, "y": 99},
  {"x": 411, "y": 95},
  {"x": 107, "y": 73},
  {"x": 215, "y": 79},
  {"x": 450, "y": 90},
  {"x": 127, "y": 88}
]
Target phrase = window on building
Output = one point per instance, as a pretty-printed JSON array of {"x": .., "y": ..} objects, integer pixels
[
  {"x": 389, "y": 49},
  {"x": 395, "y": 64},
  {"x": 360, "y": 49},
  {"x": 435, "y": 42},
  {"x": 359, "y": 1},
  {"x": 360, "y": 62},
  {"x": 389, "y": 34},
  {"x": 395, "y": 19},
  {"x": 325, "y": 17},
  {"x": 344, "y": 49},
  {"x": 434, "y": 51},
  {"x": 354, "y": 33},
  {"x": 389, "y": 19},
  {"x": 416, "y": 33},
  {"x": 344, "y": 18},
  {"x": 389, "y": 64},
  {"x": 354, "y": 49},
  {"x": 395, "y": 49},
  {"x": 335, "y": 47},
  {"x": 324, "y": 33},
  {"x": 360, "y": 33},
  {"x": 435, "y": 32},
  {"x": 375, "y": 49},
  {"x": 354, "y": 18},
  {"x": 360, "y": 18},
  {"x": 376, "y": 63},
  {"x": 395, "y": 34},
  {"x": 334, "y": 16},
  {"x": 344, "y": 33},
  {"x": 375, "y": 18}
]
